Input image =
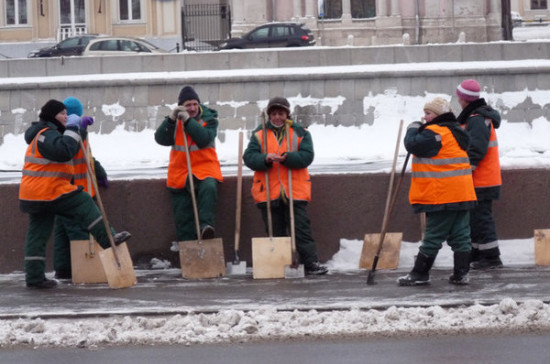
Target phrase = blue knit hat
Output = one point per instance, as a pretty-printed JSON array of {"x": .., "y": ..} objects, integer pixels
[{"x": 74, "y": 106}]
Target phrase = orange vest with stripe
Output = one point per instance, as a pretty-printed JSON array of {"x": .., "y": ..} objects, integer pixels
[
  {"x": 445, "y": 178},
  {"x": 487, "y": 172},
  {"x": 43, "y": 179},
  {"x": 204, "y": 161},
  {"x": 80, "y": 170},
  {"x": 278, "y": 173}
]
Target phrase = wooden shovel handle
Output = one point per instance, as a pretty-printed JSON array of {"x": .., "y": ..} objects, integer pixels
[
  {"x": 390, "y": 197},
  {"x": 268, "y": 199},
  {"x": 291, "y": 199},
  {"x": 191, "y": 183},
  {"x": 99, "y": 202},
  {"x": 239, "y": 193}
]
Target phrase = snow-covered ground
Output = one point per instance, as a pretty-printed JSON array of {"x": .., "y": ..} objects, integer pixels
[{"x": 522, "y": 145}]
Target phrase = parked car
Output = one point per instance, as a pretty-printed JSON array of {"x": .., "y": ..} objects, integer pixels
[
  {"x": 273, "y": 35},
  {"x": 69, "y": 47},
  {"x": 119, "y": 46}
]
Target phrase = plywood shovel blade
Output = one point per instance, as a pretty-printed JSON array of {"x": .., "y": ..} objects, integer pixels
[
  {"x": 202, "y": 258},
  {"x": 389, "y": 255},
  {"x": 270, "y": 256},
  {"x": 118, "y": 275},
  {"x": 542, "y": 246},
  {"x": 86, "y": 265}
]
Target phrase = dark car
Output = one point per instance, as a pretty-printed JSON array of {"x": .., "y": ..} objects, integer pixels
[
  {"x": 273, "y": 35},
  {"x": 69, "y": 47}
]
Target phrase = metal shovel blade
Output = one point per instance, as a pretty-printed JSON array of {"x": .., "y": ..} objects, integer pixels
[
  {"x": 235, "y": 269},
  {"x": 294, "y": 271}
]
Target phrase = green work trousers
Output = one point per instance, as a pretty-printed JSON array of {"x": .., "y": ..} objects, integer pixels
[
  {"x": 450, "y": 226},
  {"x": 206, "y": 191},
  {"x": 79, "y": 208},
  {"x": 280, "y": 216}
]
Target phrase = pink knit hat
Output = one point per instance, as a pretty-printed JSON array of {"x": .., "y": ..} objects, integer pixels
[{"x": 469, "y": 90}]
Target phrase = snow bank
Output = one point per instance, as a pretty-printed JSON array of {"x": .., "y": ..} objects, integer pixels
[{"x": 265, "y": 324}]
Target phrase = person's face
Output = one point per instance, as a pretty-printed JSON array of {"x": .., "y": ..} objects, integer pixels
[
  {"x": 429, "y": 115},
  {"x": 192, "y": 107},
  {"x": 62, "y": 117},
  {"x": 462, "y": 103},
  {"x": 278, "y": 116}
]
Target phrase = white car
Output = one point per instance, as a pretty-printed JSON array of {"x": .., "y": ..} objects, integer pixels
[
  {"x": 119, "y": 46},
  {"x": 517, "y": 20}
]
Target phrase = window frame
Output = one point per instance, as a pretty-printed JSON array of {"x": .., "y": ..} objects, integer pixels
[
  {"x": 129, "y": 11},
  {"x": 16, "y": 13}
]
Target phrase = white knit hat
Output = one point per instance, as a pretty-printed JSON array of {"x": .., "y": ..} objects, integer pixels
[{"x": 438, "y": 106}]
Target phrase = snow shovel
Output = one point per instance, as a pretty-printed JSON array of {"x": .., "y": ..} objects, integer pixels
[
  {"x": 201, "y": 258},
  {"x": 390, "y": 202},
  {"x": 237, "y": 267},
  {"x": 294, "y": 270},
  {"x": 116, "y": 260},
  {"x": 270, "y": 255},
  {"x": 85, "y": 263},
  {"x": 542, "y": 246}
]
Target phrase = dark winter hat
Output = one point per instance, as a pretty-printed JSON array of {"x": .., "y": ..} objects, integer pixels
[
  {"x": 469, "y": 90},
  {"x": 187, "y": 93},
  {"x": 278, "y": 103},
  {"x": 74, "y": 106},
  {"x": 51, "y": 109}
]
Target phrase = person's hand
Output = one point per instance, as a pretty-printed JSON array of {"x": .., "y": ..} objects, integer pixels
[
  {"x": 272, "y": 157},
  {"x": 73, "y": 120},
  {"x": 103, "y": 182},
  {"x": 86, "y": 121},
  {"x": 179, "y": 113},
  {"x": 414, "y": 125}
]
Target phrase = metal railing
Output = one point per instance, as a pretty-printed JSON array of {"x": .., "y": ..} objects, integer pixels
[
  {"x": 205, "y": 26},
  {"x": 67, "y": 31}
]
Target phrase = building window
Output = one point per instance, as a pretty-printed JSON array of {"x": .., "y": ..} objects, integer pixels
[
  {"x": 538, "y": 5},
  {"x": 363, "y": 9},
  {"x": 330, "y": 9},
  {"x": 130, "y": 9},
  {"x": 16, "y": 12}
]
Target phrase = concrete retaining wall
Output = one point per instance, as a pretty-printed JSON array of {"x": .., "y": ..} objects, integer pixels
[
  {"x": 343, "y": 206},
  {"x": 141, "y": 99}
]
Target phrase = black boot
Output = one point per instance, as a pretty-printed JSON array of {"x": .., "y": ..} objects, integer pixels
[
  {"x": 461, "y": 268},
  {"x": 121, "y": 237},
  {"x": 420, "y": 274}
]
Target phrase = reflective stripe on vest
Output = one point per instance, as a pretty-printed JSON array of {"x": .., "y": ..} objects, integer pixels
[
  {"x": 487, "y": 172},
  {"x": 445, "y": 178},
  {"x": 43, "y": 179},
  {"x": 204, "y": 161},
  {"x": 80, "y": 170},
  {"x": 278, "y": 173}
]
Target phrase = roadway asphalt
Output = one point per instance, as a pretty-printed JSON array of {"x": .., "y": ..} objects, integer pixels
[{"x": 166, "y": 292}]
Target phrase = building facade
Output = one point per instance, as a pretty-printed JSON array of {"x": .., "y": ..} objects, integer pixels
[{"x": 335, "y": 22}]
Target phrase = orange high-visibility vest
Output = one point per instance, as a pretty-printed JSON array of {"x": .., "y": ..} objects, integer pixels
[
  {"x": 487, "y": 172},
  {"x": 43, "y": 179},
  {"x": 80, "y": 170},
  {"x": 445, "y": 178},
  {"x": 204, "y": 161},
  {"x": 278, "y": 173}
]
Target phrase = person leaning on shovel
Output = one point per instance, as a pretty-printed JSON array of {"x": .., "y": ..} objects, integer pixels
[
  {"x": 443, "y": 188},
  {"x": 65, "y": 230},
  {"x": 277, "y": 162},
  {"x": 46, "y": 189},
  {"x": 201, "y": 127}
]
